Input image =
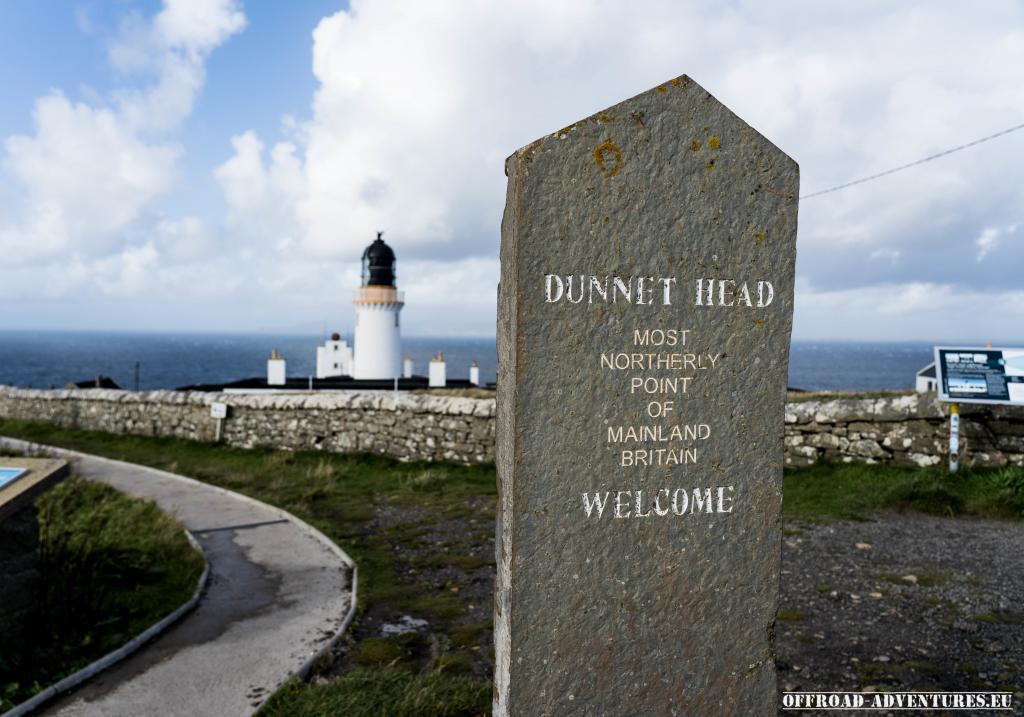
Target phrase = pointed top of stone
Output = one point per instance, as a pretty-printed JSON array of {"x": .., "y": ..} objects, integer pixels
[{"x": 679, "y": 107}]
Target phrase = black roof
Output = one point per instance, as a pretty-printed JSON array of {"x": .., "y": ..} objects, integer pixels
[
  {"x": 100, "y": 381},
  {"x": 378, "y": 264},
  {"x": 928, "y": 371}
]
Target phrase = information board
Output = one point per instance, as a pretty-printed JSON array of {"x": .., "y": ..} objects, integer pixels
[{"x": 980, "y": 375}]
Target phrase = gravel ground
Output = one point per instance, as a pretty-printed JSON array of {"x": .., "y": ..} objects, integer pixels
[{"x": 904, "y": 602}]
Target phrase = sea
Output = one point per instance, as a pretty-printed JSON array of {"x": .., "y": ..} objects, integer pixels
[{"x": 44, "y": 359}]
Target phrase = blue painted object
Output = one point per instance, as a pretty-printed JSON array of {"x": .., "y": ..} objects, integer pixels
[{"x": 9, "y": 475}]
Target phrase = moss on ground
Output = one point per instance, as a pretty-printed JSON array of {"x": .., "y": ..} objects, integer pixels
[
  {"x": 790, "y": 615},
  {"x": 1001, "y": 617}
]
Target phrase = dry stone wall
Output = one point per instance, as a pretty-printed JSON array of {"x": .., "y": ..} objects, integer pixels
[
  {"x": 906, "y": 429},
  {"x": 909, "y": 429},
  {"x": 404, "y": 426}
]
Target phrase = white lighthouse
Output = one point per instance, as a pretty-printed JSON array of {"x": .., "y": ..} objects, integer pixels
[{"x": 378, "y": 340}]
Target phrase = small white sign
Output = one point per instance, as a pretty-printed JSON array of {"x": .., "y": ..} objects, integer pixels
[{"x": 219, "y": 410}]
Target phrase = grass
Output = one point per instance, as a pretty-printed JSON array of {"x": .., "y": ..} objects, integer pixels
[
  {"x": 851, "y": 491},
  {"x": 110, "y": 566},
  {"x": 416, "y": 531},
  {"x": 383, "y": 693}
]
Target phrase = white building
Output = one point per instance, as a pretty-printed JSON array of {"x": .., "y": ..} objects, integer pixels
[
  {"x": 334, "y": 358},
  {"x": 378, "y": 303},
  {"x": 926, "y": 381},
  {"x": 276, "y": 370}
]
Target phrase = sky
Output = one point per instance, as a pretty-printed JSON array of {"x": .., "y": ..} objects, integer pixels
[{"x": 219, "y": 165}]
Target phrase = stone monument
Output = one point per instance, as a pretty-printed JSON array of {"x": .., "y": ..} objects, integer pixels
[{"x": 644, "y": 316}]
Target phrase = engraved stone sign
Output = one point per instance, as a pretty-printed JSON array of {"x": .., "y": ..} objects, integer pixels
[{"x": 644, "y": 315}]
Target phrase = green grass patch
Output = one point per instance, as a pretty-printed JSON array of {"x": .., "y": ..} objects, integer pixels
[
  {"x": 400, "y": 651},
  {"x": 380, "y": 693},
  {"x": 852, "y": 491},
  {"x": 456, "y": 663},
  {"x": 110, "y": 566},
  {"x": 467, "y": 635},
  {"x": 790, "y": 615},
  {"x": 1001, "y": 617}
]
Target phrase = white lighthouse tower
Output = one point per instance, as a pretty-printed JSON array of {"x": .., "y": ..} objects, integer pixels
[{"x": 378, "y": 340}]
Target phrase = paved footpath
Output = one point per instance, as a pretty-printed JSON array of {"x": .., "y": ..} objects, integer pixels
[{"x": 277, "y": 593}]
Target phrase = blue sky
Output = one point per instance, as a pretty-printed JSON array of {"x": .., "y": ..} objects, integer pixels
[
  {"x": 260, "y": 76},
  {"x": 219, "y": 164}
]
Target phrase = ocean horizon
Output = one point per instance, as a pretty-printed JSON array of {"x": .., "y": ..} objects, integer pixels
[{"x": 44, "y": 359}]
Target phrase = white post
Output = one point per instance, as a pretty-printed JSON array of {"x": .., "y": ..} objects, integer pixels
[
  {"x": 407, "y": 367},
  {"x": 474, "y": 374},
  {"x": 437, "y": 378},
  {"x": 954, "y": 437}
]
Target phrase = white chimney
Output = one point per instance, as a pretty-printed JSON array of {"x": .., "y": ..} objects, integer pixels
[
  {"x": 407, "y": 367},
  {"x": 474, "y": 374},
  {"x": 276, "y": 369},
  {"x": 437, "y": 372}
]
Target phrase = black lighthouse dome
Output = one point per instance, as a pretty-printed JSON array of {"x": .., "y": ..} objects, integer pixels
[{"x": 378, "y": 264}]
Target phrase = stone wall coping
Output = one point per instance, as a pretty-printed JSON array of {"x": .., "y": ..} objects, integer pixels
[
  {"x": 898, "y": 407},
  {"x": 332, "y": 400}
]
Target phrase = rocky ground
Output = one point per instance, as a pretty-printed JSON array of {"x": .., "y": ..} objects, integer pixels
[{"x": 903, "y": 602}]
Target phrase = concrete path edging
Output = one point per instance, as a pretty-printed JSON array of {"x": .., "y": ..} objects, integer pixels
[
  {"x": 303, "y": 670},
  {"x": 114, "y": 656}
]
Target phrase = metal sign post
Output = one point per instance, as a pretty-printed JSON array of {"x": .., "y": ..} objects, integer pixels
[
  {"x": 954, "y": 437},
  {"x": 219, "y": 411},
  {"x": 972, "y": 374}
]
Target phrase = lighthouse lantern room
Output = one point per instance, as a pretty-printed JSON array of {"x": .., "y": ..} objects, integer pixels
[{"x": 378, "y": 303}]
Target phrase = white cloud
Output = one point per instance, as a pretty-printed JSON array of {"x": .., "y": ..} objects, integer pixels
[
  {"x": 419, "y": 104},
  {"x": 918, "y": 311},
  {"x": 262, "y": 196},
  {"x": 986, "y": 242},
  {"x": 891, "y": 255},
  {"x": 85, "y": 177},
  {"x": 90, "y": 169}
]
